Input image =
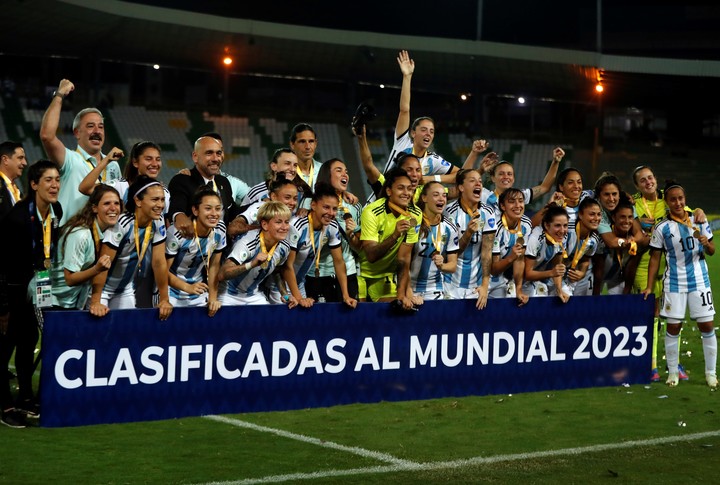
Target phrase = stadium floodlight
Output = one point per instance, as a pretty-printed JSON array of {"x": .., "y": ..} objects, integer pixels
[
  {"x": 156, "y": 66},
  {"x": 227, "y": 60},
  {"x": 521, "y": 100},
  {"x": 599, "y": 88}
]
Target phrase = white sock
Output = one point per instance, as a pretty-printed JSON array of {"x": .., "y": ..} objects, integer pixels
[
  {"x": 709, "y": 341},
  {"x": 672, "y": 352}
]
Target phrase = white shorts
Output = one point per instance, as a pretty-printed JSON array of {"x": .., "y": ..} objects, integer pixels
[
  {"x": 243, "y": 299},
  {"x": 123, "y": 301},
  {"x": 201, "y": 300},
  {"x": 275, "y": 298},
  {"x": 615, "y": 287},
  {"x": 507, "y": 290},
  {"x": 699, "y": 303},
  {"x": 431, "y": 295},
  {"x": 584, "y": 286},
  {"x": 456, "y": 293}
]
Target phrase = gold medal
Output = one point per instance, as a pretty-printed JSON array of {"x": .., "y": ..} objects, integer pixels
[
  {"x": 696, "y": 234},
  {"x": 520, "y": 240},
  {"x": 264, "y": 265},
  {"x": 47, "y": 263}
]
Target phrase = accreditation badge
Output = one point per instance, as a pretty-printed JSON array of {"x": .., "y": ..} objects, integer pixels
[{"x": 43, "y": 289}]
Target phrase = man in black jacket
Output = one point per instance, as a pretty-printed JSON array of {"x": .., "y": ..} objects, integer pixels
[
  {"x": 12, "y": 164},
  {"x": 207, "y": 156}
]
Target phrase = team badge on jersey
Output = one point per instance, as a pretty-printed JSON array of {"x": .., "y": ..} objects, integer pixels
[
  {"x": 244, "y": 256},
  {"x": 173, "y": 245}
]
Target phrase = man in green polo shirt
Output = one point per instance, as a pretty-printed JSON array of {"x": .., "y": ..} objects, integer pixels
[{"x": 74, "y": 165}]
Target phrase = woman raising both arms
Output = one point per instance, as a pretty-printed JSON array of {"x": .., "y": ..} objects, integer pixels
[{"x": 502, "y": 176}]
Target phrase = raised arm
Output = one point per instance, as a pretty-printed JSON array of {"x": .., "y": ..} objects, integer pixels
[
  {"x": 91, "y": 180},
  {"x": 407, "y": 67},
  {"x": 371, "y": 171},
  {"x": 51, "y": 119},
  {"x": 549, "y": 180}
]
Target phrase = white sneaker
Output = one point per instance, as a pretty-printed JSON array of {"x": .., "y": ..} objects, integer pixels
[
  {"x": 712, "y": 381},
  {"x": 673, "y": 379}
]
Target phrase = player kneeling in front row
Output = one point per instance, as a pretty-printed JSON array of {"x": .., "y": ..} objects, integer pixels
[{"x": 686, "y": 282}]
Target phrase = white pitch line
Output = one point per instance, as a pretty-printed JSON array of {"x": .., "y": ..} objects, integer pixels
[
  {"x": 376, "y": 455},
  {"x": 406, "y": 466}
]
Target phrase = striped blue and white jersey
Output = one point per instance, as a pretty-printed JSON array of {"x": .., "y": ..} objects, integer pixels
[
  {"x": 468, "y": 273},
  {"x": 540, "y": 250},
  {"x": 244, "y": 250},
  {"x": 327, "y": 268},
  {"x": 588, "y": 245},
  {"x": 125, "y": 268},
  {"x": 189, "y": 260},
  {"x": 300, "y": 241},
  {"x": 686, "y": 268},
  {"x": 504, "y": 242},
  {"x": 572, "y": 211},
  {"x": 431, "y": 163},
  {"x": 250, "y": 214},
  {"x": 424, "y": 274},
  {"x": 257, "y": 193},
  {"x": 490, "y": 198}
]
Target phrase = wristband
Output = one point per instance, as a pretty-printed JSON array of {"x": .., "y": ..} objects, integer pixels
[
  {"x": 248, "y": 266},
  {"x": 58, "y": 94},
  {"x": 437, "y": 178}
]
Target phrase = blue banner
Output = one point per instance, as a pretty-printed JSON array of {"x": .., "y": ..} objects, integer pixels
[{"x": 129, "y": 366}]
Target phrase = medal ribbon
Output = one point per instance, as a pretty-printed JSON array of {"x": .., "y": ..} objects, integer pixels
[
  {"x": 685, "y": 222},
  {"x": 471, "y": 212},
  {"x": 312, "y": 243},
  {"x": 649, "y": 212},
  {"x": 47, "y": 239},
  {"x": 518, "y": 227},
  {"x": 310, "y": 174},
  {"x": 96, "y": 238},
  {"x": 146, "y": 240},
  {"x": 400, "y": 210},
  {"x": 103, "y": 174},
  {"x": 264, "y": 250},
  {"x": 437, "y": 239},
  {"x": 205, "y": 257},
  {"x": 556, "y": 244},
  {"x": 579, "y": 252}
]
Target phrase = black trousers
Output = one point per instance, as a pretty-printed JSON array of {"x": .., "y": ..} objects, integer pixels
[
  {"x": 329, "y": 288},
  {"x": 22, "y": 336}
]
